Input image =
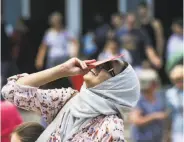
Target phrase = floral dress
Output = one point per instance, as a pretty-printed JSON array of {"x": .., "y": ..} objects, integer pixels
[{"x": 49, "y": 102}]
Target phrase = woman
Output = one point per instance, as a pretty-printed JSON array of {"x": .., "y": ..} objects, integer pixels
[
  {"x": 149, "y": 114},
  {"x": 174, "y": 97},
  {"x": 27, "y": 132},
  {"x": 56, "y": 44},
  {"x": 93, "y": 114},
  {"x": 56, "y": 48}
]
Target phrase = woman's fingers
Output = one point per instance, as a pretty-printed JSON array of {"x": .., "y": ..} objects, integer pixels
[
  {"x": 90, "y": 61},
  {"x": 82, "y": 64}
]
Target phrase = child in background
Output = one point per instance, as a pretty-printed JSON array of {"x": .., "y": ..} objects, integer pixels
[
  {"x": 27, "y": 132},
  {"x": 10, "y": 118},
  {"x": 111, "y": 49},
  {"x": 89, "y": 44}
]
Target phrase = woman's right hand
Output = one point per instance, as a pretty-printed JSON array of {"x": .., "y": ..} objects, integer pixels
[{"x": 74, "y": 66}]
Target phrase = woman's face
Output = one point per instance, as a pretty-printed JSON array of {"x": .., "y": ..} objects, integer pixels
[
  {"x": 177, "y": 29},
  {"x": 56, "y": 21},
  {"x": 112, "y": 47},
  {"x": 15, "y": 138},
  {"x": 142, "y": 12},
  {"x": 179, "y": 82},
  {"x": 96, "y": 76}
]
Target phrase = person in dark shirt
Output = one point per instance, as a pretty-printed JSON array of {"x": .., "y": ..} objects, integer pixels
[
  {"x": 152, "y": 26},
  {"x": 118, "y": 25},
  {"x": 100, "y": 35},
  {"x": 154, "y": 29},
  {"x": 5, "y": 45},
  {"x": 138, "y": 43},
  {"x": 6, "y": 56}
]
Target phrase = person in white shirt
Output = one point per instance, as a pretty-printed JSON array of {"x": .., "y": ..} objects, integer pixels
[
  {"x": 57, "y": 45},
  {"x": 175, "y": 44}
]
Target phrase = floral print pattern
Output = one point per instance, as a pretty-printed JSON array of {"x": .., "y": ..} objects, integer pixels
[
  {"x": 46, "y": 102},
  {"x": 50, "y": 102},
  {"x": 101, "y": 129}
]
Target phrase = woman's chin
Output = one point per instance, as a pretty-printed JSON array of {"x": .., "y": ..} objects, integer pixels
[
  {"x": 88, "y": 76},
  {"x": 88, "y": 80}
]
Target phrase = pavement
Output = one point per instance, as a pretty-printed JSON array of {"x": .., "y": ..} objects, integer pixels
[{"x": 29, "y": 116}]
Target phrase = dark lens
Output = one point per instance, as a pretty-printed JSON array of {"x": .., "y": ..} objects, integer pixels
[
  {"x": 107, "y": 66},
  {"x": 99, "y": 68}
]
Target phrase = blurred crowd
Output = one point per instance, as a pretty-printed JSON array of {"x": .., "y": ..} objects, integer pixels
[{"x": 140, "y": 37}]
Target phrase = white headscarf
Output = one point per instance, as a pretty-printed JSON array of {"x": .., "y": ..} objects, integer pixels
[{"x": 116, "y": 96}]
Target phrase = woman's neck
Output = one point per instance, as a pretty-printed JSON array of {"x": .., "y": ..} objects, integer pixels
[
  {"x": 145, "y": 20},
  {"x": 57, "y": 29}
]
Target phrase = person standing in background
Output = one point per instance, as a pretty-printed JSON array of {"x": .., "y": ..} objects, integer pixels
[
  {"x": 118, "y": 25},
  {"x": 149, "y": 114},
  {"x": 8, "y": 66},
  {"x": 175, "y": 45},
  {"x": 22, "y": 46},
  {"x": 174, "y": 98},
  {"x": 138, "y": 43},
  {"x": 5, "y": 55},
  {"x": 100, "y": 35},
  {"x": 153, "y": 27},
  {"x": 57, "y": 45}
]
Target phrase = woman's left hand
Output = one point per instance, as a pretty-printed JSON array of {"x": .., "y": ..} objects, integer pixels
[{"x": 75, "y": 66}]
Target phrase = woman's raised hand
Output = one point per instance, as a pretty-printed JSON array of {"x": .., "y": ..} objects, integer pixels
[{"x": 75, "y": 66}]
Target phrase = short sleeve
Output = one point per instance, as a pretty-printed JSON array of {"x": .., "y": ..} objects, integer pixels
[
  {"x": 139, "y": 104},
  {"x": 69, "y": 35}
]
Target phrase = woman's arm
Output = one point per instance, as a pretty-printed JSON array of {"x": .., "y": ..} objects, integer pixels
[
  {"x": 45, "y": 102},
  {"x": 152, "y": 56},
  {"x": 43, "y": 77},
  {"x": 72, "y": 67},
  {"x": 23, "y": 91},
  {"x": 41, "y": 56},
  {"x": 137, "y": 119},
  {"x": 159, "y": 36}
]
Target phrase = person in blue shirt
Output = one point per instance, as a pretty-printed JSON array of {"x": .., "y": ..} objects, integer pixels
[
  {"x": 174, "y": 98},
  {"x": 89, "y": 44},
  {"x": 148, "y": 116}
]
